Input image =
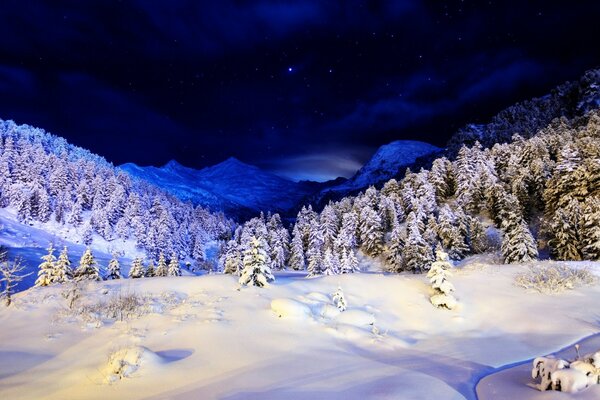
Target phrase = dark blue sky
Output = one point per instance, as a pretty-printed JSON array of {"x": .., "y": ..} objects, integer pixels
[{"x": 304, "y": 88}]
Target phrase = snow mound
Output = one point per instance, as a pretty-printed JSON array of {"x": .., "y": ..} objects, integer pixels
[
  {"x": 327, "y": 311},
  {"x": 288, "y": 308},
  {"x": 356, "y": 318},
  {"x": 125, "y": 362}
]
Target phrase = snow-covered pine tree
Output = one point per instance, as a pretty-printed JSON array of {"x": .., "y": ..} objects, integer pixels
[
  {"x": 231, "y": 259},
  {"x": 329, "y": 221},
  {"x": 438, "y": 276},
  {"x": 371, "y": 232},
  {"x": 590, "y": 229},
  {"x": 137, "y": 269},
  {"x": 314, "y": 254},
  {"x": 62, "y": 268},
  {"x": 339, "y": 300},
  {"x": 114, "y": 268},
  {"x": 518, "y": 245},
  {"x": 256, "y": 265},
  {"x": 565, "y": 242},
  {"x": 174, "y": 269},
  {"x": 417, "y": 253},
  {"x": 349, "y": 262},
  {"x": 88, "y": 268},
  {"x": 87, "y": 235},
  {"x": 150, "y": 270},
  {"x": 297, "y": 261},
  {"x": 395, "y": 249},
  {"x": 46, "y": 275},
  {"x": 450, "y": 235},
  {"x": 161, "y": 268},
  {"x": 331, "y": 263}
]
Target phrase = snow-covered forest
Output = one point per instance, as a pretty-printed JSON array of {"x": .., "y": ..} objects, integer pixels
[{"x": 47, "y": 180}]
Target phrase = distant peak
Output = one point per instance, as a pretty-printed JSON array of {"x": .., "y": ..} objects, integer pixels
[{"x": 173, "y": 164}]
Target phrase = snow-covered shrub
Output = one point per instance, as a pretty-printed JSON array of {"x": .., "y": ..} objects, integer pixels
[
  {"x": 438, "y": 276},
  {"x": 554, "y": 278},
  {"x": 339, "y": 300},
  {"x": 564, "y": 376},
  {"x": 543, "y": 368}
]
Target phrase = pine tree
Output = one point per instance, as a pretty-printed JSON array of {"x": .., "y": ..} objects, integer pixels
[
  {"x": 297, "y": 261},
  {"x": 62, "y": 269},
  {"x": 174, "y": 269},
  {"x": 88, "y": 268},
  {"x": 46, "y": 275},
  {"x": 162, "y": 268},
  {"x": 114, "y": 268},
  {"x": 349, "y": 262},
  {"x": 330, "y": 224},
  {"x": 590, "y": 229},
  {"x": 417, "y": 253},
  {"x": 256, "y": 265},
  {"x": 339, "y": 300},
  {"x": 565, "y": 242},
  {"x": 137, "y": 269},
  {"x": 518, "y": 245},
  {"x": 395, "y": 249},
  {"x": 438, "y": 276},
  {"x": 371, "y": 232},
  {"x": 150, "y": 271},
  {"x": 232, "y": 259},
  {"x": 331, "y": 263},
  {"x": 87, "y": 235},
  {"x": 314, "y": 254}
]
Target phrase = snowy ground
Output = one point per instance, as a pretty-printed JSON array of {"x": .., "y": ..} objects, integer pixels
[{"x": 201, "y": 338}]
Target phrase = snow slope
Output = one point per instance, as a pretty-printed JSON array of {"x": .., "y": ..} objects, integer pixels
[
  {"x": 231, "y": 186},
  {"x": 201, "y": 337},
  {"x": 389, "y": 161}
]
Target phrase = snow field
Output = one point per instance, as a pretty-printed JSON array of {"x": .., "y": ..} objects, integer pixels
[{"x": 205, "y": 337}]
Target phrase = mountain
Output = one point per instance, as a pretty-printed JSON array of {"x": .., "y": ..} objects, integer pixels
[
  {"x": 389, "y": 161},
  {"x": 232, "y": 186}
]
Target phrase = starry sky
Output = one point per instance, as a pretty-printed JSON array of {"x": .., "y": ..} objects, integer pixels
[{"x": 307, "y": 89}]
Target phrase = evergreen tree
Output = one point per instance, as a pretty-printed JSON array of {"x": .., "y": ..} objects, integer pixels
[
  {"x": 339, "y": 300},
  {"x": 417, "y": 253},
  {"x": 174, "y": 269},
  {"x": 161, "y": 268},
  {"x": 150, "y": 271},
  {"x": 137, "y": 269},
  {"x": 256, "y": 265},
  {"x": 114, "y": 268},
  {"x": 518, "y": 245},
  {"x": 314, "y": 255},
  {"x": 232, "y": 259},
  {"x": 395, "y": 249},
  {"x": 297, "y": 261},
  {"x": 62, "y": 269},
  {"x": 331, "y": 263},
  {"x": 349, "y": 262},
  {"x": 46, "y": 275},
  {"x": 88, "y": 268},
  {"x": 590, "y": 229},
  {"x": 371, "y": 232},
  {"x": 438, "y": 276},
  {"x": 565, "y": 242}
]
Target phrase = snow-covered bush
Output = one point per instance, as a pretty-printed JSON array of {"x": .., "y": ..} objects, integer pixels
[
  {"x": 339, "y": 300},
  {"x": 438, "y": 276},
  {"x": 564, "y": 376},
  {"x": 11, "y": 273},
  {"x": 554, "y": 278}
]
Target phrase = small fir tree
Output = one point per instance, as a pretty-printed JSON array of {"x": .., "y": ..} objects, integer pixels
[
  {"x": 62, "y": 269},
  {"x": 174, "y": 269},
  {"x": 161, "y": 269},
  {"x": 46, "y": 274},
  {"x": 438, "y": 276},
  {"x": 339, "y": 300},
  {"x": 256, "y": 265},
  {"x": 88, "y": 268},
  {"x": 137, "y": 269},
  {"x": 114, "y": 268}
]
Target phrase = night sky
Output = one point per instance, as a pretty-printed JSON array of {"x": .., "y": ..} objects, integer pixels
[{"x": 307, "y": 89}]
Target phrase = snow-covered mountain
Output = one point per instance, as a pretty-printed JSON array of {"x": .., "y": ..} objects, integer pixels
[
  {"x": 237, "y": 188},
  {"x": 243, "y": 190},
  {"x": 388, "y": 161}
]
